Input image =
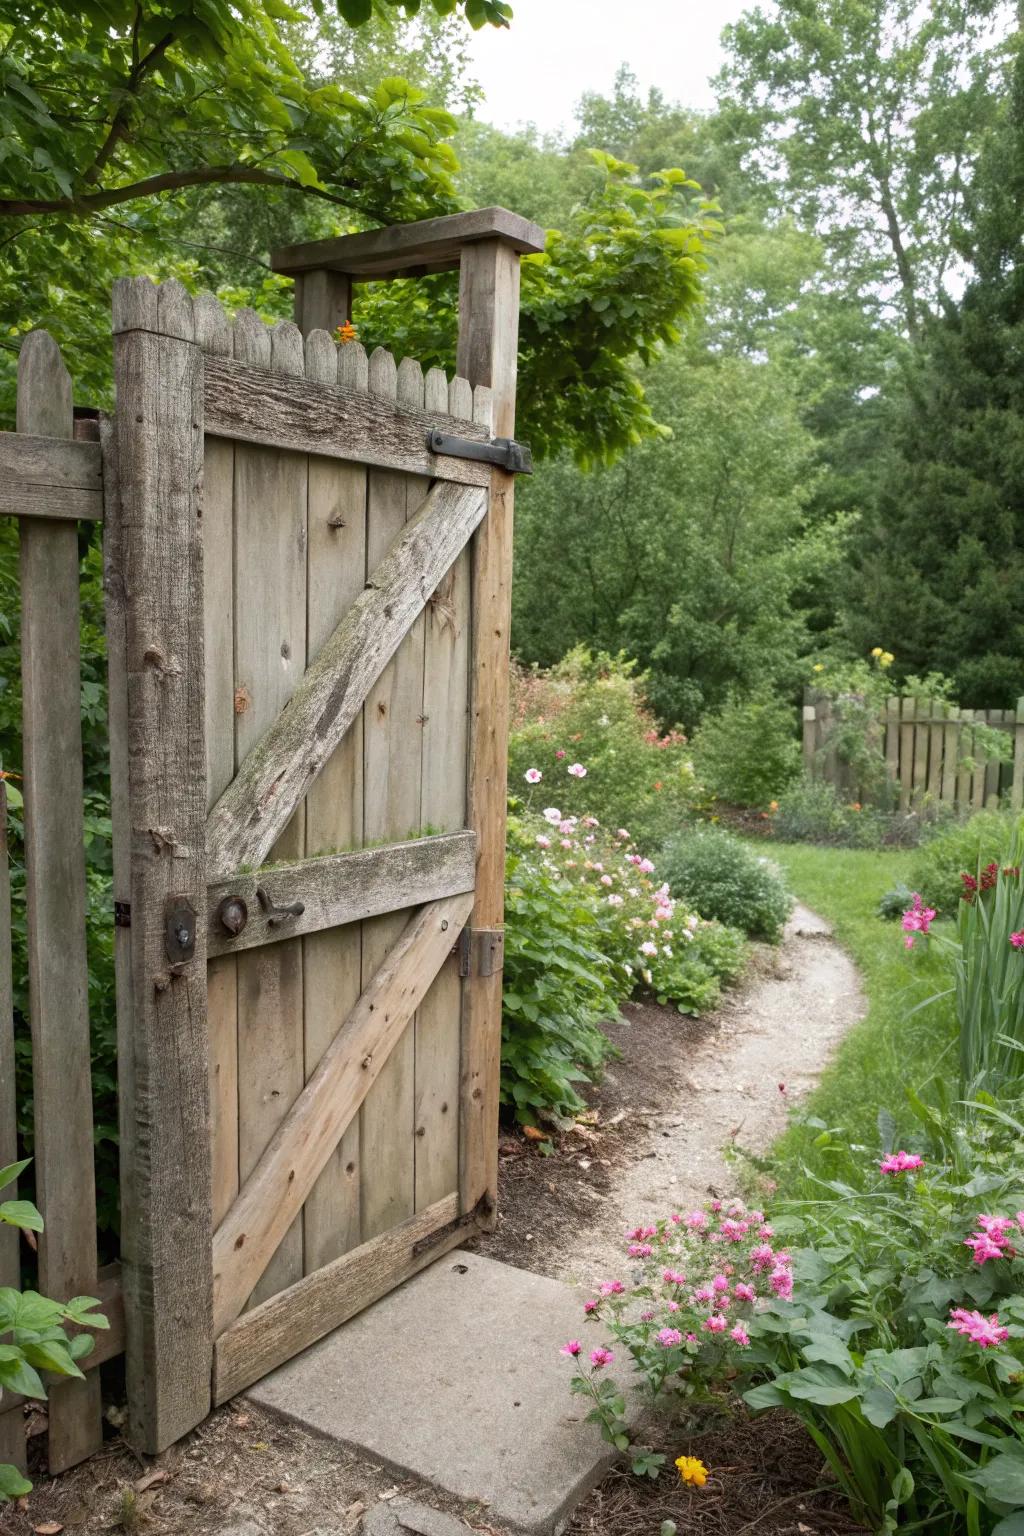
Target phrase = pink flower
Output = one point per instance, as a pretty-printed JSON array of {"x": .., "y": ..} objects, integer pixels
[
  {"x": 765, "y": 1230},
  {"x": 1017, "y": 939},
  {"x": 566, "y": 825},
  {"x": 984, "y": 1331},
  {"x": 552, "y": 814},
  {"x": 673, "y": 1306},
  {"x": 761, "y": 1257},
  {"x": 560, "y": 754},
  {"x": 900, "y": 1162},
  {"x": 614, "y": 900},
  {"x": 533, "y": 775},
  {"x": 591, "y": 1306},
  {"x": 703, "y": 1293},
  {"x": 744, "y": 1292},
  {"x": 740, "y": 1335},
  {"x": 716, "y": 1323},
  {"x": 542, "y": 841},
  {"x": 720, "y": 1283},
  {"x": 601, "y": 1357},
  {"x": 606, "y": 879},
  {"x": 1020, "y": 1220},
  {"x": 668, "y": 1337},
  {"x": 572, "y": 1348},
  {"x": 566, "y": 842},
  {"x": 996, "y": 1226},
  {"x": 591, "y": 821},
  {"x": 984, "y": 1247},
  {"x": 696, "y": 1221},
  {"x": 691, "y": 1338},
  {"x": 645, "y": 867},
  {"x": 781, "y": 1282},
  {"x": 640, "y": 1250},
  {"x": 734, "y": 1231},
  {"x": 648, "y": 948},
  {"x": 646, "y": 1317},
  {"x": 623, "y": 833},
  {"x": 577, "y": 770},
  {"x": 673, "y": 1277},
  {"x": 611, "y": 1288}
]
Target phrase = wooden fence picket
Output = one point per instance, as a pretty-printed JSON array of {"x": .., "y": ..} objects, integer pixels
[{"x": 12, "y": 1419}]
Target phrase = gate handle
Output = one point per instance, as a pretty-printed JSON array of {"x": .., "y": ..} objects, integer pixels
[{"x": 277, "y": 915}]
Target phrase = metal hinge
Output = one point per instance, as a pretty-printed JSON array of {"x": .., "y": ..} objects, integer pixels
[
  {"x": 122, "y": 914},
  {"x": 481, "y": 951},
  {"x": 505, "y": 452}
]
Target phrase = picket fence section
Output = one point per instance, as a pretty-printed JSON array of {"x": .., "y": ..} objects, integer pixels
[
  {"x": 932, "y": 754},
  {"x": 49, "y": 480}
]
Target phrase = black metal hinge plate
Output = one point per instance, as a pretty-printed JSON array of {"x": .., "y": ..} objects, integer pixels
[{"x": 505, "y": 452}]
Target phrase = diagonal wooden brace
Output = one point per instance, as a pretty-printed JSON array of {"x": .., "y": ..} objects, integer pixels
[
  {"x": 256, "y": 806},
  {"x": 274, "y": 1193}
]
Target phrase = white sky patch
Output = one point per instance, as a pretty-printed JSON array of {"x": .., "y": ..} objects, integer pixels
[{"x": 555, "y": 50}]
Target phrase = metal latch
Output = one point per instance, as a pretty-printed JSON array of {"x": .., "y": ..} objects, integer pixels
[
  {"x": 505, "y": 452},
  {"x": 179, "y": 930}
]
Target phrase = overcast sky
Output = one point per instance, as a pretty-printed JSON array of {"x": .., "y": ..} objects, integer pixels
[{"x": 557, "y": 49}]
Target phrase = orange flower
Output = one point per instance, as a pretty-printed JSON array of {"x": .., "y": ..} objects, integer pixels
[
  {"x": 657, "y": 783},
  {"x": 347, "y": 332}
]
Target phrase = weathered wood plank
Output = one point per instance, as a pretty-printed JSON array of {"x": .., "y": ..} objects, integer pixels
[
  {"x": 1017, "y": 790},
  {"x": 392, "y": 745},
  {"x": 163, "y": 1056},
  {"x": 906, "y": 752},
  {"x": 271, "y": 490},
  {"x": 428, "y": 245},
  {"x": 12, "y": 1428},
  {"x": 50, "y": 477},
  {"x": 56, "y": 898},
  {"x": 276, "y": 774},
  {"x": 340, "y": 888},
  {"x": 274, "y": 1192},
  {"x": 936, "y": 737},
  {"x": 249, "y": 403},
  {"x": 488, "y": 331},
  {"x": 334, "y": 819},
  {"x": 290, "y": 1322},
  {"x": 950, "y": 752},
  {"x": 322, "y": 300},
  {"x": 966, "y": 748}
]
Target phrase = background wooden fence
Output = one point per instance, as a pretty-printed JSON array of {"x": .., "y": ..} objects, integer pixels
[
  {"x": 48, "y": 481},
  {"x": 931, "y": 753}
]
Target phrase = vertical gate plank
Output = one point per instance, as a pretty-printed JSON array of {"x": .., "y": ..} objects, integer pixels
[
  {"x": 214, "y": 335},
  {"x": 270, "y": 659},
  {"x": 963, "y": 779},
  {"x": 935, "y": 744},
  {"x": 921, "y": 744},
  {"x": 443, "y": 808},
  {"x": 997, "y": 719},
  {"x": 488, "y": 331},
  {"x": 334, "y": 810},
  {"x": 163, "y": 1048},
  {"x": 1017, "y": 791},
  {"x": 392, "y": 733},
  {"x": 56, "y": 899},
  {"x": 950, "y": 747},
  {"x": 12, "y": 1422},
  {"x": 907, "y": 707}
]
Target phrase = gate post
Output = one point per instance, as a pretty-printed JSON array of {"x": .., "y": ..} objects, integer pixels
[{"x": 154, "y": 576}]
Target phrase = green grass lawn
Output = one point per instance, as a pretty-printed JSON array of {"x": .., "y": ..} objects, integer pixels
[{"x": 893, "y": 1047}]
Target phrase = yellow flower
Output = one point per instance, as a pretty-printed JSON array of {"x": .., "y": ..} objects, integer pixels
[
  {"x": 773, "y": 805},
  {"x": 877, "y": 651},
  {"x": 819, "y": 666},
  {"x": 692, "y": 1471},
  {"x": 347, "y": 332},
  {"x": 886, "y": 659}
]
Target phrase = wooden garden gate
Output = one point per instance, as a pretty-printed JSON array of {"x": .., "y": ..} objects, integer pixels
[{"x": 308, "y": 600}]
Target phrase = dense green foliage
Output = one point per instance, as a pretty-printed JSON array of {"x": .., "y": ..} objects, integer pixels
[
  {"x": 961, "y": 847},
  {"x": 713, "y": 871},
  {"x": 747, "y": 752}
]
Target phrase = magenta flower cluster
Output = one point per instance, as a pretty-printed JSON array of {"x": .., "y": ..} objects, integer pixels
[
  {"x": 900, "y": 1162},
  {"x": 916, "y": 919},
  {"x": 983, "y": 1331},
  {"x": 991, "y": 1240}
]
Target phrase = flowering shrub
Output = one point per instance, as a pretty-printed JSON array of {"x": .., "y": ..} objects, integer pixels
[
  {"x": 747, "y": 752},
  {"x": 713, "y": 871},
  {"x": 902, "y": 1346},
  {"x": 590, "y": 711},
  {"x": 969, "y": 845},
  {"x": 683, "y": 1319},
  {"x": 814, "y": 811}
]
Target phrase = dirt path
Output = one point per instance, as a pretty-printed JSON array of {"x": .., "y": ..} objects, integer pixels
[{"x": 674, "y": 1112}]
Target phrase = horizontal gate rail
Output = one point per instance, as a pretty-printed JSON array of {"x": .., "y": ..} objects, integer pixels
[
  {"x": 293, "y": 1319},
  {"x": 254, "y": 405},
  {"x": 333, "y": 889},
  {"x": 50, "y": 477}
]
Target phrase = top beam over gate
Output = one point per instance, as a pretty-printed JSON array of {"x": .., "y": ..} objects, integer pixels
[{"x": 324, "y": 270}]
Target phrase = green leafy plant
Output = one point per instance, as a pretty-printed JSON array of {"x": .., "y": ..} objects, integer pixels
[
  {"x": 967, "y": 845},
  {"x": 747, "y": 752},
  {"x": 35, "y": 1328},
  {"x": 714, "y": 872},
  {"x": 590, "y": 709}
]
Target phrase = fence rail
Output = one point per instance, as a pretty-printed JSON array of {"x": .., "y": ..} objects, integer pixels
[{"x": 932, "y": 753}]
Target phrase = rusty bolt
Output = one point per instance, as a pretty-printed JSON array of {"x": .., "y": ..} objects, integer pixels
[{"x": 233, "y": 914}]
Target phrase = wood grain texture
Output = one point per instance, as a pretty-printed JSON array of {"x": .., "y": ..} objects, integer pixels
[
  {"x": 334, "y": 819},
  {"x": 272, "y": 1195},
  {"x": 487, "y": 352},
  {"x": 1017, "y": 789},
  {"x": 55, "y": 897},
  {"x": 281, "y": 1327},
  {"x": 279, "y": 769},
  {"x": 323, "y": 301},
  {"x": 427, "y": 245},
  {"x": 342, "y": 888},
  {"x": 247, "y": 402},
  {"x": 165, "y": 1140},
  {"x": 392, "y": 747},
  {"x": 12, "y": 1427},
  {"x": 50, "y": 477},
  {"x": 270, "y": 500}
]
